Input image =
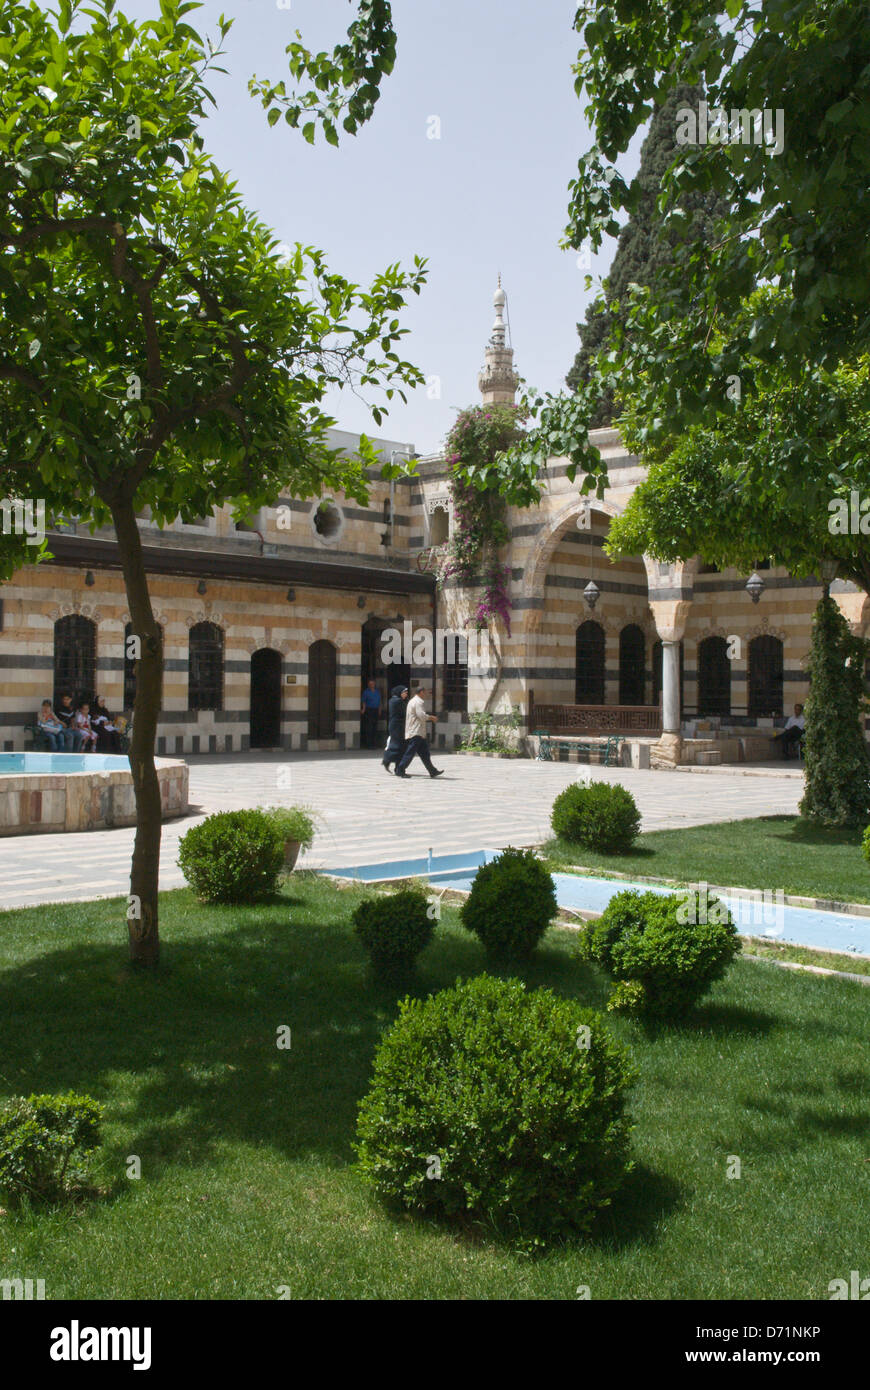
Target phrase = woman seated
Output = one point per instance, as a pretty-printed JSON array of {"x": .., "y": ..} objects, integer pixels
[{"x": 108, "y": 740}]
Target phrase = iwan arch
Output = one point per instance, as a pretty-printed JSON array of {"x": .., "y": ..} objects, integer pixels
[{"x": 271, "y": 629}]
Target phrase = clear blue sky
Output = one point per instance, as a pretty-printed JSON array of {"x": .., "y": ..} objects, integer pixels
[{"x": 490, "y": 195}]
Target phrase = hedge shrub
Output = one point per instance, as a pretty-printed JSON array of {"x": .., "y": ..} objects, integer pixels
[
  {"x": 232, "y": 857},
  {"x": 394, "y": 929},
  {"x": 661, "y": 960},
  {"x": 511, "y": 904},
  {"x": 39, "y": 1137},
  {"x": 493, "y": 1103},
  {"x": 601, "y": 815}
]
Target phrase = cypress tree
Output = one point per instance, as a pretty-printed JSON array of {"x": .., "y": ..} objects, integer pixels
[
  {"x": 837, "y": 766},
  {"x": 642, "y": 249}
]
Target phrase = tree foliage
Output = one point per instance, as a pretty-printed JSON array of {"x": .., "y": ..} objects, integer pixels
[
  {"x": 769, "y": 480},
  {"x": 837, "y": 767},
  {"x": 797, "y": 219},
  {"x": 156, "y": 348},
  {"x": 644, "y": 249}
]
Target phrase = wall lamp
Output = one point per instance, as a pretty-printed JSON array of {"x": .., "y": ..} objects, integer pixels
[
  {"x": 202, "y": 587},
  {"x": 89, "y": 580},
  {"x": 592, "y": 593}
]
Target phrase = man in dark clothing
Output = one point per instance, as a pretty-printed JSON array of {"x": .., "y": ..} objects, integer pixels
[
  {"x": 370, "y": 709},
  {"x": 396, "y": 727}
]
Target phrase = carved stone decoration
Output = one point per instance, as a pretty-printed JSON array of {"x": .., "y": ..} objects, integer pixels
[
  {"x": 440, "y": 502},
  {"x": 764, "y": 629},
  {"x": 206, "y": 614},
  {"x": 85, "y": 610}
]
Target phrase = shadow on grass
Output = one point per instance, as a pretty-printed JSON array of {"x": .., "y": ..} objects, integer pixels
[
  {"x": 188, "y": 1054},
  {"x": 804, "y": 832},
  {"x": 713, "y": 1018}
]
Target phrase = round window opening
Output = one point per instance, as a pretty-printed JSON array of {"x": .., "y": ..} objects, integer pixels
[{"x": 327, "y": 519}]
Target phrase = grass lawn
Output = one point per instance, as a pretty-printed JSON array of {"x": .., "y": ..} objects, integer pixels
[
  {"x": 770, "y": 852},
  {"x": 247, "y": 1179}
]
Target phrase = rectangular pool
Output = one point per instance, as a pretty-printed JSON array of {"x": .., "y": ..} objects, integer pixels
[{"x": 802, "y": 926}]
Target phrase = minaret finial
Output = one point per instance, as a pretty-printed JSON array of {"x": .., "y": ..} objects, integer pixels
[{"x": 498, "y": 381}]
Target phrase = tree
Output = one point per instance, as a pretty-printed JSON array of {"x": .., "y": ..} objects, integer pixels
[
  {"x": 155, "y": 348},
  {"x": 838, "y": 769},
  {"x": 643, "y": 249},
  {"x": 778, "y": 478},
  {"x": 798, "y": 206}
]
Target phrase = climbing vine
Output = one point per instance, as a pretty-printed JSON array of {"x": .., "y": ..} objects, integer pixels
[{"x": 480, "y": 530}]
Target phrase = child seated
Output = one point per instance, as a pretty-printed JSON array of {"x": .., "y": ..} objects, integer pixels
[
  {"x": 51, "y": 727},
  {"x": 83, "y": 724}
]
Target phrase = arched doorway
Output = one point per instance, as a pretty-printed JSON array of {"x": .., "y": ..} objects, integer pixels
[
  {"x": 373, "y": 667},
  {"x": 322, "y": 663},
  {"x": 589, "y": 664},
  {"x": 632, "y": 665},
  {"x": 765, "y": 677},
  {"x": 714, "y": 676},
  {"x": 265, "y": 705}
]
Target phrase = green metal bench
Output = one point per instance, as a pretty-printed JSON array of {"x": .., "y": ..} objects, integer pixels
[{"x": 548, "y": 742}]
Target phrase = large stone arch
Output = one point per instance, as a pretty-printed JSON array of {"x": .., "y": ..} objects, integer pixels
[{"x": 549, "y": 536}]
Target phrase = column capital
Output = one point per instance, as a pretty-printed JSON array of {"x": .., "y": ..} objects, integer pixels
[{"x": 670, "y": 617}]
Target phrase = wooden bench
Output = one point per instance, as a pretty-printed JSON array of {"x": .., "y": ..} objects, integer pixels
[{"x": 547, "y": 742}]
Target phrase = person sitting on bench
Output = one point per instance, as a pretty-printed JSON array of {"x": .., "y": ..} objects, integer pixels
[
  {"x": 793, "y": 731},
  {"x": 51, "y": 728}
]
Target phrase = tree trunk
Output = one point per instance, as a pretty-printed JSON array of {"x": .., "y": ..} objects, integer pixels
[{"x": 142, "y": 913}]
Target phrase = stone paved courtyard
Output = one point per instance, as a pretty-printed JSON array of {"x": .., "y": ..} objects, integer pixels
[{"x": 368, "y": 816}]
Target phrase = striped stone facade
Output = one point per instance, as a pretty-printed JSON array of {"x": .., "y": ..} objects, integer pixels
[{"x": 303, "y": 573}]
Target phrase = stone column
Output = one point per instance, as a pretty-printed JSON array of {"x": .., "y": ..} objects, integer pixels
[
  {"x": 671, "y": 712},
  {"x": 670, "y": 619}
]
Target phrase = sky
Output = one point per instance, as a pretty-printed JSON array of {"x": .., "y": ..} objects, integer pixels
[{"x": 487, "y": 197}]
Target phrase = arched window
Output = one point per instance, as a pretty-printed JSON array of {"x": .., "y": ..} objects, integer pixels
[
  {"x": 130, "y": 670},
  {"x": 75, "y": 658},
  {"x": 439, "y": 526},
  {"x": 765, "y": 677},
  {"x": 657, "y": 673},
  {"x": 589, "y": 664},
  {"x": 632, "y": 660},
  {"x": 322, "y": 663},
  {"x": 714, "y": 676},
  {"x": 205, "y": 679}
]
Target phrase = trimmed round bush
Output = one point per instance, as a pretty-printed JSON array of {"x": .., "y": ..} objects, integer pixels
[
  {"x": 663, "y": 952},
  {"x": 394, "y": 929},
  {"x": 498, "y": 1104},
  {"x": 232, "y": 857},
  {"x": 41, "y": 1140},
  {"x": 601, "y": 815},
  {"x": 511, "y": 904}
]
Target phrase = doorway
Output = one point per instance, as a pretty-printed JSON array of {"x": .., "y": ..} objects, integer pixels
[
  {"x": 322, "y": 663},
  {"x": 266, "y": 698}
]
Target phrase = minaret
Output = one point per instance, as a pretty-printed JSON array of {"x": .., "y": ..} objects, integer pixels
[{"x": 498, "y": 381}]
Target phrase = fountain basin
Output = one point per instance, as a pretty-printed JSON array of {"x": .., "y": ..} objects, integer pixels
[{"x": 52, "y": 792}]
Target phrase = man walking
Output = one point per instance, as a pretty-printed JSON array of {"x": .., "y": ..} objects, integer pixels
[
  {"x": 396, "y": 725},
  {"x": 370, "y": 709},
  {"x": 417, "y": 744}
]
